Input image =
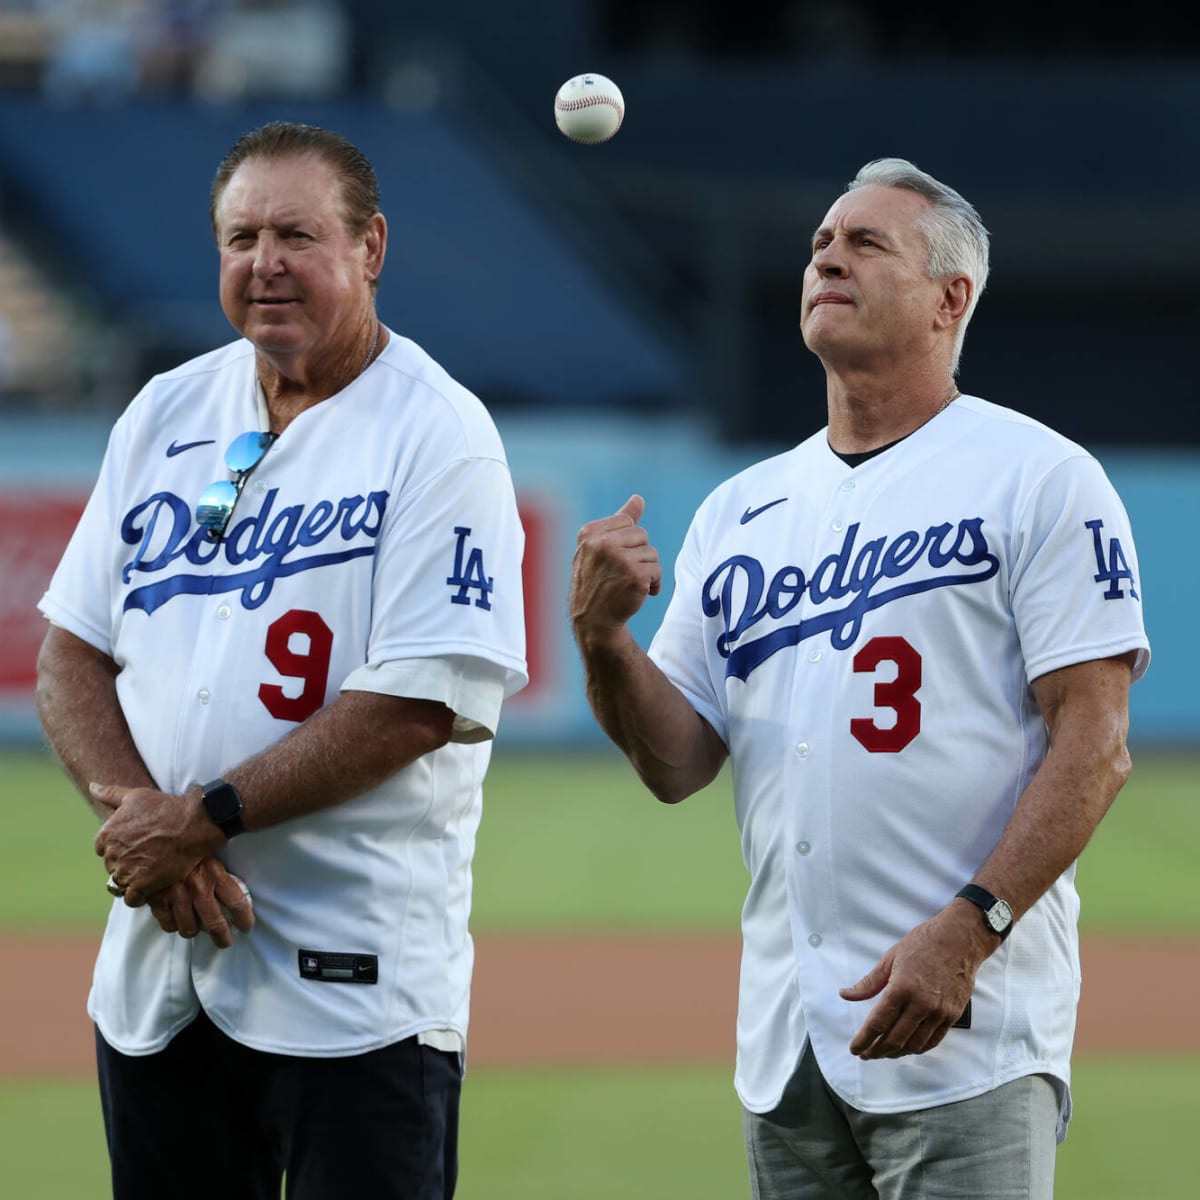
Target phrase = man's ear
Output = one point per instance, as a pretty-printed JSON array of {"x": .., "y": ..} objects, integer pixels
[
  {"x": 956, "y": 299},
  {"x": 375, "y": 240}
]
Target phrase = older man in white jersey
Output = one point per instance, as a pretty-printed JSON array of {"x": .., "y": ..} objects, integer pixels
[
  {"x": 913, "y": 635},
  {"x": 279, "y": 643}
]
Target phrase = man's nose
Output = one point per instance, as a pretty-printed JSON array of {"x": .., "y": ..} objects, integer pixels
[
  {"x": 829, "y": 262},
  {"x": 268, "y": 257}
]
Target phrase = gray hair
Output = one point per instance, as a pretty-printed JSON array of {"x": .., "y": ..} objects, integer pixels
[{"x": 955, "y": 236}]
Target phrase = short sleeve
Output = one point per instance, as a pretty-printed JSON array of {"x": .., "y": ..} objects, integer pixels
[
  {"x": 678, "y": 648},
  {"x": 1075, "y": 585},
  {"x": 80, "y": 595},
  {"x": 448, "y": 587},
  {"x": 472, "y": 688}
]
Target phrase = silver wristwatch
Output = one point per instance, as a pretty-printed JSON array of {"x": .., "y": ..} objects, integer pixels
[{"x": 998, "y": 914}]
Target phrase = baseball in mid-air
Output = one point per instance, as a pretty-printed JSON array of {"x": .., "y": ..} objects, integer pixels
[{"x": 589, "y": 108}]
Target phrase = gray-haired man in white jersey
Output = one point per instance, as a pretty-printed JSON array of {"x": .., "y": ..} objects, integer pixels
[{"x": 913, "y": 635}]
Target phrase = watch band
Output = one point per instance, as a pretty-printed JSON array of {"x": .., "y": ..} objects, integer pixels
[
  {"x": 224, "y": 807},
  {"x": 997, "y": 913}
]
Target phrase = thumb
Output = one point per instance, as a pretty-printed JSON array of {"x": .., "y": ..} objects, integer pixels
[
  {"x": 633, "y": 508},
  {"x": 871, "y": 984},
  {"x": 107, "y": 794}
]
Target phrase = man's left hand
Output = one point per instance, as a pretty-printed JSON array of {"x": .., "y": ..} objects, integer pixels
[
  {"x": 210, "y": 900},
  {"x": 152, "y": 840},
  {"x": 923, "y": 982}
]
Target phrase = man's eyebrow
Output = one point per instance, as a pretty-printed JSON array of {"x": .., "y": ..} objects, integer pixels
[{"x": 855, "y": 231}]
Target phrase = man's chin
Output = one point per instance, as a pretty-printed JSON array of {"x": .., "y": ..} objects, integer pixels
[
  {"x": 815, "y": 338},
  {"x": 273, "y": 338}
]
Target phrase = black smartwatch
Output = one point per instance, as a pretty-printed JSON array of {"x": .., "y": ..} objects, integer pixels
[
  {"x": 997, "y": 914},
  {"x": 224, "y": 807}
]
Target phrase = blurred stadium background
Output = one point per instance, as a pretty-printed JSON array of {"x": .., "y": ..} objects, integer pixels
[{"x": 628, "y": 312}]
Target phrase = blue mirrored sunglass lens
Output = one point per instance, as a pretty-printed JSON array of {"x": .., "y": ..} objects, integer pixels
[
  {"x": 216, "y": 504},
  {"x": 246, "y": 451}
]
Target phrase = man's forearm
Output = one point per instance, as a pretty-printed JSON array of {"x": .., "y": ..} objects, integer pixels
[
  {"x": 1055, "y": 818},
  {"x": 1086, "y": 709},
  {"x": 673, "y": 749},
  {"x": 155, "y": 839},
  {"x": 82, "y": 718},
  {"x": 615, "y": 568},
  {"x": 347, "y": 748}
]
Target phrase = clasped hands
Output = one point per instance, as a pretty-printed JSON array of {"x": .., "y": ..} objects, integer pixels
[{"x": 159, "y": 850}]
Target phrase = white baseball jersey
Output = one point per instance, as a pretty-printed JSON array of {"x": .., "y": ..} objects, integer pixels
[
  {"x": 864, "y": 640},
  {"x": 376, "y": 547}
]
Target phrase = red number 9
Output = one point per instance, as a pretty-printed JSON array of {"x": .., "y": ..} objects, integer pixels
[{"x": 312, "y": 666}]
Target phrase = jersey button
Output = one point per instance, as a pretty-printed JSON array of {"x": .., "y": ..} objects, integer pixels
[
  {"x": 224, "y": 612},
  {"x": 814, "y": 940},
  {"x": 848, "y": 486},
  {"x": 203, "y": 695},
  {"x": 801, "y": 749},
  {"x": 803, "y": 848},
  {"x": 838, "y": 526},
  {"x": 258, "y": 487},
  {"x": 814, "y": 656}
]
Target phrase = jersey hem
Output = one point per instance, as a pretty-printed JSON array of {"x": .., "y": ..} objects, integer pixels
[
  {"x": 161, "y": 1042},
  {"x": 919, "y": 1103},
  {"x": 267, "y": 1046},
  {"x": 142, "y": 1049}
]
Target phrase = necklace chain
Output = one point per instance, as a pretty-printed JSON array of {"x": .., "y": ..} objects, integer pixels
[
  {"x": 371, "y": 352},
  {"x": 954, "y": 394}
]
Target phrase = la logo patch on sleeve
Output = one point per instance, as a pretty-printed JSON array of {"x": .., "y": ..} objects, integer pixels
[
  {"x": 1113, "y": 568},
  {"x": 469, "y": 573}
]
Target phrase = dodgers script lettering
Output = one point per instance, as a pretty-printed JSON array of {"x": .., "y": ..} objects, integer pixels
[
  {"x": 265, "y": 544},
  {"x": 738, "y": 589}
]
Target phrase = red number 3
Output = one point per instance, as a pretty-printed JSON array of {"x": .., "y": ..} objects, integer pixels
[
  {"x": 899, "y": 694},
  {"x": 312, "y": 666}
]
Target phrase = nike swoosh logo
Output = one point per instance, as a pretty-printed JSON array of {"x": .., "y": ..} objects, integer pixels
[
  {"x": 174, "y": 449},
  {"x": 751, "y": 513}
]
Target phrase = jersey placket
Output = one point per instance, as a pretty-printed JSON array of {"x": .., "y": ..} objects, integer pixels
[
  {"x": 812, "y": 878},
  {"x": 220, "y": 652}
]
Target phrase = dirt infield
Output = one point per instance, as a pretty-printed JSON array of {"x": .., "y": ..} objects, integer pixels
[{"x": 579, "y": 1001}]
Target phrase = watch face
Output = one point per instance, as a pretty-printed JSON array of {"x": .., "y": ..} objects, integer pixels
[
  {"x": 222, "y": 803},
  {"x": 1000, "y": 916}
]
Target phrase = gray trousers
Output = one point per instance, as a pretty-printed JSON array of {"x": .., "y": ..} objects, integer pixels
[{"x": 814, "y": 1146}]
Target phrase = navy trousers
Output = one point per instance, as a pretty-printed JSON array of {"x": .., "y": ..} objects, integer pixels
[{"x": 208, "y": 1117}]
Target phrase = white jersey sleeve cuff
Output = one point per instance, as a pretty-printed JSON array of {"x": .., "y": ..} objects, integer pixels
[
  {"x": 472, "y": 688},
  {"x": 65, "y": 619}
]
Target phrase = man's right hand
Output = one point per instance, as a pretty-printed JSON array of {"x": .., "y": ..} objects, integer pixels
[
  {"x": 194, "y": 905},
  {"x": 674, "y": 750},
  {"x": 614, "y": 570}
]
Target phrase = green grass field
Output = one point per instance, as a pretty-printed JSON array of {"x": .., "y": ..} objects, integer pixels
[
  {"x": 661, "y": 1135},
  {"x": 574, "y": 843}
]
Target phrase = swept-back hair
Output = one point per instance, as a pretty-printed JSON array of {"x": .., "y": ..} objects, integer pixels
[
  {"x": 286, "y": 139},
  {"x": 955, "y": 236}
]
